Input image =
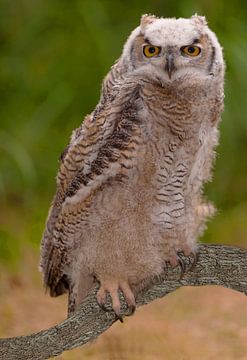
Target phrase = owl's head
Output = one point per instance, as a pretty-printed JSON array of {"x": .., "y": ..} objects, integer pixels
[{"x": 174, "y": 49}]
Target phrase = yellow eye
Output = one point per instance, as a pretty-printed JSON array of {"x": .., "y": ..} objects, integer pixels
[
  {"x": 191, "y": 50},
  {"x": 150, "y": 50}
]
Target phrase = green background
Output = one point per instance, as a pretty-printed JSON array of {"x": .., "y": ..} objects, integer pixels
[{"x": 53, "y": 57}]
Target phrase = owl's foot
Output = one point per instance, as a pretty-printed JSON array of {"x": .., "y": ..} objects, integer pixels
[
  {"x": 192, "y": 254},
  {"x": 112, "y": 287},
  {"x": 177, "y": 259}
]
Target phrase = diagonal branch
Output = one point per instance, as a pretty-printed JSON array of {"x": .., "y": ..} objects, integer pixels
[{"x": 216, "y": 265}]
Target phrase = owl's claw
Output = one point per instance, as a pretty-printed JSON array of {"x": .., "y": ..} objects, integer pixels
[
  {"x": 195, "y": 256},
  {"x": 191, "y": 254},
  {"x": 120, "y": 318},
  {"x": 132, "y": 309},
  {"x": 182, "y": 265},
  {"x": 112, "y": 288}
]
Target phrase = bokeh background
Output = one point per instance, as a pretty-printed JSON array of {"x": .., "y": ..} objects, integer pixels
[{"x": 53, "y": 57}]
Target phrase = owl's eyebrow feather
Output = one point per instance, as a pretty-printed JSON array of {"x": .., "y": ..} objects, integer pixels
[
  {"x": 147, "y": 41},
  {"x": 196, "y": 41}
]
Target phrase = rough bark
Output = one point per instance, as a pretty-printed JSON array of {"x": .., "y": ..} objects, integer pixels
[{"x": 216, "y": 265}]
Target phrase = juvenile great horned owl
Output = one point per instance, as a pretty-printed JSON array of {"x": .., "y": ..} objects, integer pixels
[{"x": 129, "y": 187}]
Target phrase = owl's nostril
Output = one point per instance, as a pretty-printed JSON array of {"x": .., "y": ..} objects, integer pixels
[{"x": 170, "y": 67}]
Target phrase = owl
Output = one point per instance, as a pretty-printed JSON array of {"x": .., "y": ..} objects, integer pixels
[{"x": 129, "y": 187}]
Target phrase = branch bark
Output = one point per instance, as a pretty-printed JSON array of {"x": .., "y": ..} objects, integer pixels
[{"x": 216, "y": 265}]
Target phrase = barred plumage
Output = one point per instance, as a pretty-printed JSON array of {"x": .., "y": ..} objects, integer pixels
[{"x": 129, "y": 187}]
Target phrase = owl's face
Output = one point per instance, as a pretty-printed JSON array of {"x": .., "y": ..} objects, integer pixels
[{"x": 175, "y": 49}]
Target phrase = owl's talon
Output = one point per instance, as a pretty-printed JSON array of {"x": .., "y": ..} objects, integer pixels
[
  {"x": 132, "y": 310},
  {"x": 120, "y": 318},
  {"x": 195, "y": 256},
  {"x": 129, "y": 297},
  {"x": 112, "y": 288},
  {"x": 182, "y": 265}
]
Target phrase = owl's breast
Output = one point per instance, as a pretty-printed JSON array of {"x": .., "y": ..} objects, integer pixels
[{"x": 176, "y": 109}]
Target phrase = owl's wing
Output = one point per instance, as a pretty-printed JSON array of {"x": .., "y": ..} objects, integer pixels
[
  {"x": 100, "y": 152},
  {"x": 76, "y": 158},
  {"x": 83, "y": 148}
]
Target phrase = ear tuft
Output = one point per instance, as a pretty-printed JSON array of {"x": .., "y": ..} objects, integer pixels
[
  {"x": 146, "y": 20},
  {"x": 199, "y": 20}
]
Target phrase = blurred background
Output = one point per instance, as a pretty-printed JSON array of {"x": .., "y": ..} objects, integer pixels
[{"x": 53, "y": 57}]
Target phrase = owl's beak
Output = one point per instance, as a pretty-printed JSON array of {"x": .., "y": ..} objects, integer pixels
[{"x": 170, "y": 67}]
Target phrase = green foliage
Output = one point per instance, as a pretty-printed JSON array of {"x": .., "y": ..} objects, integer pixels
[
  {"x": 53, "y": 56},
  {"x": 6, "y": 252}
]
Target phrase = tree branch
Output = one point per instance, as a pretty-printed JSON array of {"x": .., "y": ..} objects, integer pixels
[{"x": 216, "y": 265}]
